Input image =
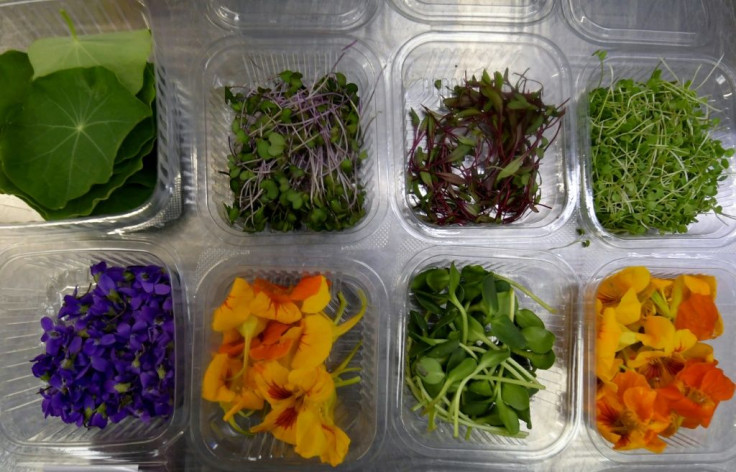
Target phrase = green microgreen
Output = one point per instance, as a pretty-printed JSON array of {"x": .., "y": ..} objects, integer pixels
[
  {"x": 655, "y": 166},
  {"x": 478, "y": 161},
  {"x": 296, "y": 154},
  {"x": 472, "y": 353}
]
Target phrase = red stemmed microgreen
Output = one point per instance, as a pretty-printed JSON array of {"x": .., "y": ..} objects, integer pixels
[{"x": 478, "y": 162}]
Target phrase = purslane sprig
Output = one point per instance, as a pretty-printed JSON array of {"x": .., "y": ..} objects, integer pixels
[{"x": 472, "y": 353}]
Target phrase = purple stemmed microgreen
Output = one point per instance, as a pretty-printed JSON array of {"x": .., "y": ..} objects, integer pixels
[
  {"x": 479, "y": 161},
  {"x": 296, "y": 154}
]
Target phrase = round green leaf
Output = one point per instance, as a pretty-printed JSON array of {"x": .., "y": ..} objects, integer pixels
[
  {"x": 124, "y": 52},
  {"x": 15, "y": 80},
  {"x": 67, "y": 136}
]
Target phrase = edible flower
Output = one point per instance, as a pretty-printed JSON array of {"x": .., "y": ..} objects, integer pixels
[
  {"x": 275, "y": 342},
  {"x": 109, "y": 352},
  {"x": 655, "y": 372},
  {"x": 626, "y": 415}
]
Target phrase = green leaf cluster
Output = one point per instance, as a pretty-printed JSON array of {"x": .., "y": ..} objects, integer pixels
[
  {"x": 78, "y": 124},
  {"x": 472, "y": 352},
  {"x": 296, "y": 155},
  {"x": 655, "y": 166}
]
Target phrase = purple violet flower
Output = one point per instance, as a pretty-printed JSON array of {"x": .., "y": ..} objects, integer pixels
[{"x": 109, "y": 352}]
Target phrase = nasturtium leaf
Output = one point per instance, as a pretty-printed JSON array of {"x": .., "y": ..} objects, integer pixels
[
  {"x": 67, "y": 136},
  {"x": 125, "y": 53},
  {"x": 138, "y": 140},
  {"x": 85, "y": 204},
  {"x": 147, "y": 93},
  {"x": 124, "y": 199},
  {"x": 15, "y": 80}
]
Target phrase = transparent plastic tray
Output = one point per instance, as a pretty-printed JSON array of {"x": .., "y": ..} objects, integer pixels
[
  {"x": 452, "y": 57},
  {"x": 33, "y": 281},
  {"x": 359, "y": 408},
  {"x": 251, "y": 63},
  {"x": 554, "y": 410},
  {"x": 715, "y": 444},
  {"x": 21, "y": 23},
  {"x": 394, "y": 50},
  {"x": 471, "y": 11},
  {"x": 302, "y": 14},
  {"x": 685, "y": 23},
  {"x": 712, "y": 79}
]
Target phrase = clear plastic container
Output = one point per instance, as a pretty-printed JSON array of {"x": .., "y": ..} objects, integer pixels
[
  {"x": 360, "y": 406},
  {"x": 713, "y": 80},
  {"x": 475, "y": 11},
  {"x": 712, "y": 445},
  {"x": 256, "y": 62},
  {"x": 685, "y": 23},
  {"x": 23, "y": 22},
  {"x": 450, "y": 57},
  {"x": 33, "y": 281},
  {"x": 334, "y": 15},
  {"x": 554, "y": 410}
]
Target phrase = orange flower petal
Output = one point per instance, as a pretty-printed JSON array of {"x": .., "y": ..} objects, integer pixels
[
  {"x": 311, "y": 440},
  {"x": 316, "y": 384},
  {"x": 274, "y": 308},
  {"x": 701, "y": 284},
  {"x": 275, "y": 348},
  {"x": 313, "y": 292},
  {"x": 315, "y": 342},
  {"x": 640, "y": 400},
  {"x": 612, "y": 288},
  {"x": 281, "y": 422},
  {"x": 628, "y": 310},
  {"x": 699, "y": 314},
  {"x": 716, "y": 385},
  {"x": 659, "y": 333},
  {"x": 271, "y": 380},
  {"x": 247, "y": 400}
]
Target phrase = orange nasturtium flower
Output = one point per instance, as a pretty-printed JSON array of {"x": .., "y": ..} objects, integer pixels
[
  {"x": 696, "y": 392},
  {"x": 236, "y": 307},
  {"x": 613, "y": 288},
  {"x": 655, "y": 373},
  {"x": 627, "y": 415},
  {"x": 609, "y": 332},
  {"x": 279, "y": 303},
  {"x": 275, "y": 341},
  {"x": 300, "y": 402}
]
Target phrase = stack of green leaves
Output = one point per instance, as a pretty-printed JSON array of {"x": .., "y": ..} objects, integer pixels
[
  {"x": 296, "y": 155},
  {"x": 472, "y": 353},
  {"x": 78, "y": 123},
  {"x": 655, "y": 165}
]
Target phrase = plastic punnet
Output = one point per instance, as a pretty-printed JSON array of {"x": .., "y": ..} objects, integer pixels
[
  {"x": 34, "y": 279},
  {"x": 715, "y": 444},
  {"x": 554, "y": 410},
  {"x": 359, "y": 406}
]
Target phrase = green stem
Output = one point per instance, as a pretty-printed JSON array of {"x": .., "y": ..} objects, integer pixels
[
  {"x": 498, "y": 378},
  {"x": 463, "y": 315},
  {"x": 527, "y": 292},
  {"x": 69, "y": 23}
]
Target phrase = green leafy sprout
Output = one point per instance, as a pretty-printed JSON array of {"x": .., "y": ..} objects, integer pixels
[
  {"x": 655, "y": 165},
  {"x": 472, "y": 352}
]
